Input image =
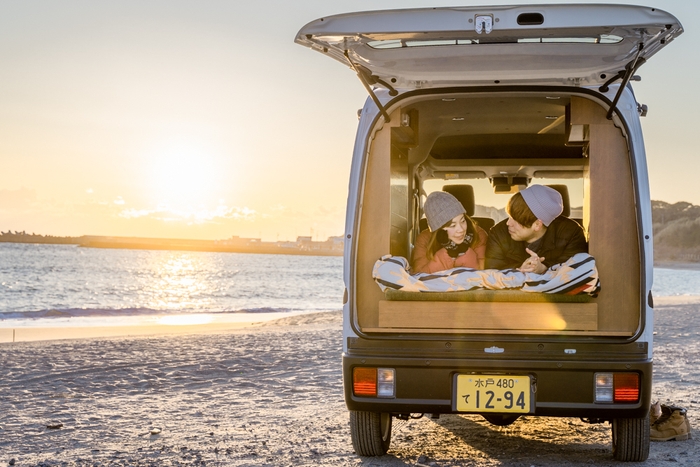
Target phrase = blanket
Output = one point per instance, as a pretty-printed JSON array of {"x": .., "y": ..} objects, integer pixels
[{"x": 576, "y": 276}]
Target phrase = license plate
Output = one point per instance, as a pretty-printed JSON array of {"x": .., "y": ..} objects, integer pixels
[{"x": 494, "y": 393}]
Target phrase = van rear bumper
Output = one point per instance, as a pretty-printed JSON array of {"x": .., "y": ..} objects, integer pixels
[{"x": 563, "y": 388}]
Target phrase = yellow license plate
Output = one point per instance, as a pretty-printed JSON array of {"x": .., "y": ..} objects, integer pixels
[{"x": 494, "y": 393}]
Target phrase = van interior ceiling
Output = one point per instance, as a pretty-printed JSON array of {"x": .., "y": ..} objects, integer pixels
[{"x": 500, "y": 144}]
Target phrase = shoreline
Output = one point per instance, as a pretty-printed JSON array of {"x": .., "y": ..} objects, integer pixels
[
  {"x": 99, "y": 332},
  {"x": 311, "y": 248},
  {"x": 173, "y": 325}
]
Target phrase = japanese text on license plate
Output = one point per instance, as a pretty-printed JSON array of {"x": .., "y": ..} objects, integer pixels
[{"x": 493, "y": 393}]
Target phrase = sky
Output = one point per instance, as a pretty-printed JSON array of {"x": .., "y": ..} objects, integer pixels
[{"x": 203, "y": 119}]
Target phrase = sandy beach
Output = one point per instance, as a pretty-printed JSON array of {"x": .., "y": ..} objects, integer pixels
[{"x": 270, "y": 394}]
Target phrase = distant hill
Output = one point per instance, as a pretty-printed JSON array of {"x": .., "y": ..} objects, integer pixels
[
  {"x": 24, "y": 237},
  {"x": 676, "y": 231}
]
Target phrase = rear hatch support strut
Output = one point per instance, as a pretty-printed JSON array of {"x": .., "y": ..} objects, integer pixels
[
  {"x": 368, "y": 79},
  {"x": 625, "y": 75}
]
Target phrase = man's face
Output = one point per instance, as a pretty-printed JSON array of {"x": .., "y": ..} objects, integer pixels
[{"x": 524, "y": 234}]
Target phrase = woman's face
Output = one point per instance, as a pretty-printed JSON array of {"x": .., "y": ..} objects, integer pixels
[{"x": 457, "y": 229}]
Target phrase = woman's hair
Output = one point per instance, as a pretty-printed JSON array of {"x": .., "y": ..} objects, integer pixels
[
  {"x": 519, "y": 211},
  {"x": 434, "y": 246}
]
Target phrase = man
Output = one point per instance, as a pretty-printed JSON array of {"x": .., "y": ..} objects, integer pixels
[{"x": 535, "y": 236}]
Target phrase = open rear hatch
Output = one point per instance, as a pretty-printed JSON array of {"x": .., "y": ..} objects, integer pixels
[{"x": 535, "y": 44}]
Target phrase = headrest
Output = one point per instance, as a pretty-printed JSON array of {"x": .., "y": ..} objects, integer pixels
[
  {"x": 564, "y": 192},
  {"x": 465, "y": 195}
]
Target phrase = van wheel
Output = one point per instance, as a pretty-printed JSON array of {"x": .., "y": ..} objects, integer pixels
[
  {"x": 630, "y": 439},
  {"x": 500, "y": 420},
  {"x": 370, "y": 432}
]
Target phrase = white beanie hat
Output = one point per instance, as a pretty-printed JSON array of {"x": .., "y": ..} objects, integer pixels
[
  {"x": 440, "y": 208},
  {"x": 544, "y": 202}
]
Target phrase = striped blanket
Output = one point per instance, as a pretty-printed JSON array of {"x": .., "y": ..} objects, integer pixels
[{"x": 576, "y": 276}]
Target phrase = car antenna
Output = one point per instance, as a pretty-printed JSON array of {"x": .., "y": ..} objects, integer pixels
[
  {"x": 367, "y": 79},
  {"x": 625, "y": 75}
]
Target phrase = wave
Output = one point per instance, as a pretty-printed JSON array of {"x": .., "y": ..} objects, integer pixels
[{"x": 121, "y": 312}]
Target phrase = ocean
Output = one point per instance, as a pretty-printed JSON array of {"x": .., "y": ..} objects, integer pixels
[{"x": 65, "y": 285}]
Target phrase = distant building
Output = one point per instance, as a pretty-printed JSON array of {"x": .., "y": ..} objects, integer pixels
[{"x": 305, "y": 243}]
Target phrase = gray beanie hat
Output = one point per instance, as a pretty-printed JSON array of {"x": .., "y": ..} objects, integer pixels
[
  {"x": 440, "y": 208},
  {"x": 544, "y": 202}
]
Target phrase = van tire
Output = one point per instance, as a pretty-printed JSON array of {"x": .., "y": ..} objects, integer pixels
[
  {"x": 630, "y": 439},
  {"x": 370, "y": 432}
]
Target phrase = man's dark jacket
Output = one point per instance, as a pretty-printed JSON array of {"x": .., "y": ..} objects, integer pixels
[{"x": 562, "y": 240}]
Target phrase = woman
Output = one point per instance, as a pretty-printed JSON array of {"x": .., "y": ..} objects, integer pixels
[{"x": 453, "y": 239}]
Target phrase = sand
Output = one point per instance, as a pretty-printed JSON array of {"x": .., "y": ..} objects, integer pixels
[{"x": 271, "y": 395}]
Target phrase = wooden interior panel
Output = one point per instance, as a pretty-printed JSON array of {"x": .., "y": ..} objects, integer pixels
[
  {"x": 488, "y": 315},
  {"x": 399, "y": 200},
  {"x": 375, "y": 224},
  {"x": 612, "y": 229}
]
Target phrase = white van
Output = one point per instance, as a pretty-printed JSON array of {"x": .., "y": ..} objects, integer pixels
[{"x": 496, "y": 98}]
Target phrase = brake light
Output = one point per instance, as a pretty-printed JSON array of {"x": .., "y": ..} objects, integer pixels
[
  {"x": 616, "y": 387},
  {"x": 364, "y": 381},
  {"x": 373, "y": 382},
  {"x": 626, "y": 387}
]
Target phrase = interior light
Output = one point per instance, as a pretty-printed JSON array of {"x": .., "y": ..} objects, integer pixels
[
  {"x": 551, "y": 117},
  {"x": 457, "y": 119}
]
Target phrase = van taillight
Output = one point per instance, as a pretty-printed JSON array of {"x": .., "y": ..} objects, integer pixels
[
  {"x": 616, "y": 387},
  {"x": 374, "y": 382},
  {"x": 626, "y": 387},
  {"x": 364, "y": 381}
]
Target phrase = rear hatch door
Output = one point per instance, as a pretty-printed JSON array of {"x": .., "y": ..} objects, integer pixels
[{"x": 571, "y": 44}]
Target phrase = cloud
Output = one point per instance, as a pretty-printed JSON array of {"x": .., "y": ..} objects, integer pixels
[
  {"x": 197, "y": 215},
  {"x": 134, "y": 213}
]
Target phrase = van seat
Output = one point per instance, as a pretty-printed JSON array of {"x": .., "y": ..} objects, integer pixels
[
  {"x": 422, "y": 224},
  {"x": 484, "y": 222},
  {"x": 464, "y": 194},
  {"x": 564, "y": 192}
]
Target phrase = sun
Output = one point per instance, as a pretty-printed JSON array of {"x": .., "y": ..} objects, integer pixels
[{"x": 182, "y": 175}]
